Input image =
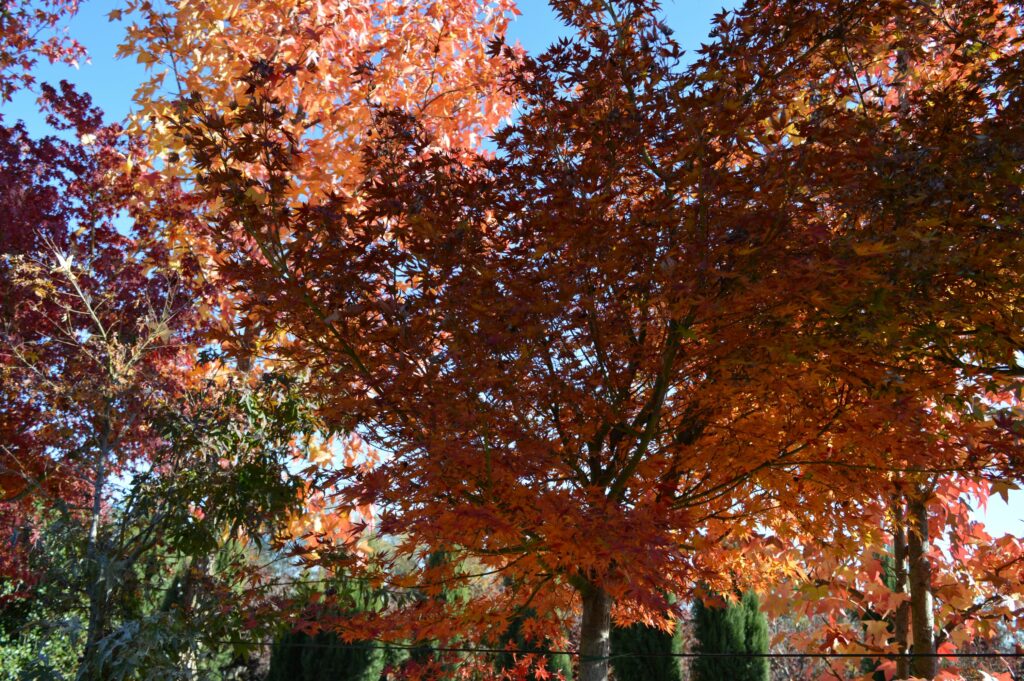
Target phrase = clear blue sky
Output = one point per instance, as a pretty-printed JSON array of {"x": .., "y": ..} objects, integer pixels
[
  {"x": 690, "y": 20},
  {"x": 111, "y": 82}
]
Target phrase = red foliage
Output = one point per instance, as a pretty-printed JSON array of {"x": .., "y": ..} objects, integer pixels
[
  {"x": 93, "y": 319},
  {"x": 30, "y": 30}
]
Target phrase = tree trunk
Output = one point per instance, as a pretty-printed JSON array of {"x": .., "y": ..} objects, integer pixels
[
  {"x": 88, "y": 667},
  {"x": 96, "y": 594},
  {"x": 902, "y": 621},
  {"x": 97, "y": 560},
  {"x": 925, "y": 664},
  {"x": 595, "y": 634}
]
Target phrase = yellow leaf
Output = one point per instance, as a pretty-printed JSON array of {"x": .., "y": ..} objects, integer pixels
[
  {"x": 256, "y": 196},
  {"x": 876, "y": 248}
]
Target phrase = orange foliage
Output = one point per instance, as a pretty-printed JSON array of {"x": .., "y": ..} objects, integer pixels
[{"x": 328, "y": 65}]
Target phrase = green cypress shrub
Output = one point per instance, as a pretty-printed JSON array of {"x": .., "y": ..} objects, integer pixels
[
  {"x": 330, "y": 659},
  {"x": 286, "y": 657},
  {"x": 645, "y": 653},
  {"x": 738, "y": 628},
  {"x": 757, "y": 638},
  {"x": 297, "y": 656},
  {"x": 561, "y": 663}
]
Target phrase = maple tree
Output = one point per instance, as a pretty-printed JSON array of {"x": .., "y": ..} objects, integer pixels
[
  {"x": 680, "y": 304},
  {"x": 36, "y": 215},
  {"x": 332, "y": 66},
  {"x": 139, "y": 455},
  {"x": 329, "y": 66},
  {"x": 964, "y": 586},
  {"x": 90, "y": 340},
  {"x": 677, "y": 301}
]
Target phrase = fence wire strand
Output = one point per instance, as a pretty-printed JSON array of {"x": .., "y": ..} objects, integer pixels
[{"x": 539, "y": 651}]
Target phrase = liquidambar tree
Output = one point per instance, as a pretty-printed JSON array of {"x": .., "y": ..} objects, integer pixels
[{"x": 680, "y": 304}]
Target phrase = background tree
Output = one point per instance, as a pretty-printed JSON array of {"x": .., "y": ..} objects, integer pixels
[
  {"x": 29, "y": 31},
  {"x": 137, "y": 465},
  {"x": 67, "y": 315}
]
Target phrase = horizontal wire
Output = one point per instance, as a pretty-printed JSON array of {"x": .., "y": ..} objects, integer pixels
[{"x": 503, "y": 651}]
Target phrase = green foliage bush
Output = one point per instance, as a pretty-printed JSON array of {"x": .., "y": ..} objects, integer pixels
[
  {"x": 297, "y": 656},
  {"x": 738, "y": 628},
  {"x": 645, "y": 653}
]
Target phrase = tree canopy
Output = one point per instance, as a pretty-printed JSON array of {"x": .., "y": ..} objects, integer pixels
[{"x": 749, "y": 320}]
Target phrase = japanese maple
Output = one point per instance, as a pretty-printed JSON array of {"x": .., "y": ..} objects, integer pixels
[
  {"x": 927, "y": 579},
  {"x": 681, "y": 305},
  {"x": 329, "y": 66}
]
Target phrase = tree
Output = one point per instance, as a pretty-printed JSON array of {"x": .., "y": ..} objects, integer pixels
[
  {"x": 643, "y": 652},
  {"x": 134, "y": 456},
  {"x": 736, "y": 628},
  {"x": 88, "y": 336},
  {"x": 332, "y": 66},
  {"x": 679, "y": 305},
  {"x": 968, "y": 597},
  {"x": 756, "y": 630},
  {"x": 133, "y": 463}
]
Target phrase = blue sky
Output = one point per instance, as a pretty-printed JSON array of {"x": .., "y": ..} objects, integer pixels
[
  {"x": 111, "y": 82},
  {"x": 690, "y": 20}
]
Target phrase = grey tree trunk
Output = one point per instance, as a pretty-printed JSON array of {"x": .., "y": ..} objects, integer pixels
[
  {"x": 595, "y": 634},
  {"x": 902, "y": 620},
  {"x": 925, "y": 664},
  {"x": 96, "y": 559}
]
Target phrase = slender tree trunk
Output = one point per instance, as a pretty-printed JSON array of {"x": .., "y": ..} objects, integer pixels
[
  {"x": 902, "y": 621},
  {"x": 595, "y": 634},
  {"x": 88, "y": 667},
  {"x": 96, "y": 560},
  {"x": 194, "y": 573},
  {"x": 921, "y": 600}
]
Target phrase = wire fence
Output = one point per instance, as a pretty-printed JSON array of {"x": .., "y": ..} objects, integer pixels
[{"x": 423, "y": 648}]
